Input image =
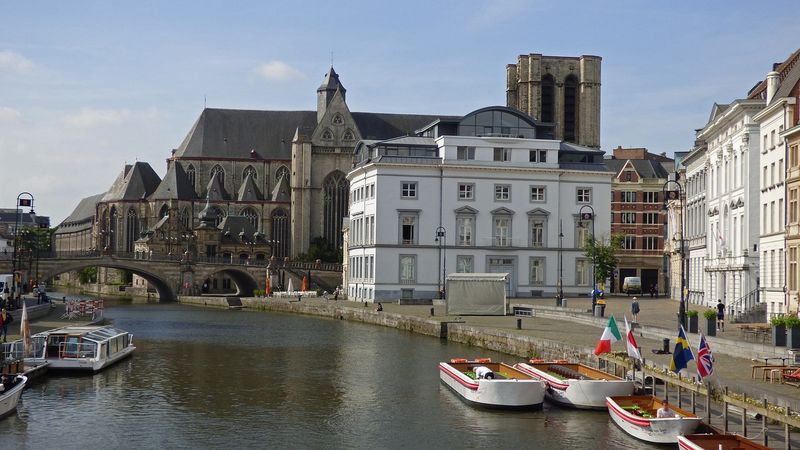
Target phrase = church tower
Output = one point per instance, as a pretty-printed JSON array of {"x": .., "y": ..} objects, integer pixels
[
  {"x": 561, "y": 90},
  {"x": 326, "y": 91}
]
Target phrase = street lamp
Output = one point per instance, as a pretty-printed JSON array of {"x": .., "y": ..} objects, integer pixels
[
  {"x": 670, "y": 195},
  {"x": 26, "y": 201},
  {"x": 560, "y": 263},
  {"x": 584, "y": 217},
  {"x": 441, "y": 239}
]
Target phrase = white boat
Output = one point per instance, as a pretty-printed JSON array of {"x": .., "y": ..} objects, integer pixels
[
  {"x": 717, "y": 441},
  {"x": 502, "y": 387},
  {"x": 636, "y": 415},
  {"x": 576, "y": 385},
  {"x": 12, "y": 386},
  {"x": 90, "y": 348}
]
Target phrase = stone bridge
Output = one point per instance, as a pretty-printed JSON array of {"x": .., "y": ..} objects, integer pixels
[{"x": 169, "y": 274}]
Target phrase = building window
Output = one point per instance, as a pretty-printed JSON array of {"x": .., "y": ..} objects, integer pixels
[
  {"x": 570, "y": 108},
  {"x": 582, "y": 272},
  {"x": 650, "y": 218},
  {"x": 537, "y": 271},
  {"x": 465, "y": 227},
  {"x": 327, "y": 135},
  {"x": 408, "y": 228},
  {"x": 131, "y": 230},
  {"x": 335, "y": 190},
  {"x": 792, "y": 268},
  {"x": 502, "y": 192},
  {"x": 502, "y": 154},
  {"x": 584, "y": 195},
  {"x": 465, "y": 153},
  {"x": 249, "y": 171},
  {"x": 220, "y": 173},
  {"x": 408, "y": 189},
  {"x": 465, "y": 264},
  {"x": 348, "y": 135},
  {"x": 794, "y": 156},
  {"x": 501, "y": 231},
  {"x": 408, "y": 269},
  {"x": 282, "y": 172},
  {"x": 793, "y": 203},
  {"x": 651, "y": 197},
  {"x": 280, "y": 233},
  {"x": 537, "y": 156},
  {"x": 192, "y": 175},
  {"x": 628, "y": 218},
  {"x": 628, "y": 175},
  {"x": 337, "y": 119},
  {"x": 252, "y": 216},
  {"x": 629, "y": 243},
  {"x": 548, "y": 98},
  {"x": 650, "y": 242},
  {"x": 466, "y": 191},
  {"x": 627, "y": 197},
  {"x": 537, "y": 193},
  {"x": 538, "y": 227}
]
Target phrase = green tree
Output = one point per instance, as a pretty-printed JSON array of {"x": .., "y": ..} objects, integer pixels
[
  {"x": 604, "y": 254},
  {"x": 88, "y": 275},
  {"x": 321, "y": 249}
]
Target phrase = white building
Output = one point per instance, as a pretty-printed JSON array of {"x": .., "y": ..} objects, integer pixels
[
  {"x": 696, "y": 179},
  {"x": 478, "y": 193}
]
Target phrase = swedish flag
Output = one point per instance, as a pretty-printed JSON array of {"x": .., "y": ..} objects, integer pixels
[{"x": 682, "y": 354}]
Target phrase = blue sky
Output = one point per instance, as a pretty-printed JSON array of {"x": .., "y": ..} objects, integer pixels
[{"x": 87, "y": 86}]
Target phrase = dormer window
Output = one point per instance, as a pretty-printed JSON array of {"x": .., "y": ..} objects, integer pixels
[{"x": 338, "y": 119}]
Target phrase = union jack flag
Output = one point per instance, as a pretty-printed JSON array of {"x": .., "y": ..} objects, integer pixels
[{"x": 705, "y": 360}]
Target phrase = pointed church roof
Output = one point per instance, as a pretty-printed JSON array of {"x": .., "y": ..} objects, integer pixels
[
  {"x": 331, "y": 82},
  {"x": 249, "y": 192},
  {"x": 175, "y": 185},
  {"x": 135, "y": 182},
  {"x": 281, "y": 191},
  {"x": 81, "y": 217},
  {"x": 215, "y": 189}
]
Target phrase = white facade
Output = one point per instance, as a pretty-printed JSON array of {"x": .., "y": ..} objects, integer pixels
[
  {"x": 723, "y": 193},
  {"x": 477, "y": 204},
  {"x": 772, "y": 169}
]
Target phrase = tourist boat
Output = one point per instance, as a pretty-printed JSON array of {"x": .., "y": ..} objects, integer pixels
[
  {"x": 717, "y": 441},
  {"x": 12, "y": 391},
  {"x": 576, "y": 385},
  {"x": 89, "y": 348},
  {"x": 636, "y": 415},
  {"x": 506, "y": 387}
]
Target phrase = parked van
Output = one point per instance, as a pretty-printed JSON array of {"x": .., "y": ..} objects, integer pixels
[{"x": 632, "y": 285}]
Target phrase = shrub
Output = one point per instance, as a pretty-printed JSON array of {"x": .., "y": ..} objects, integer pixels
[
  {"x": 691, "y": 313},
  {"x": 710, "y": 314},
  {"x": 792, "y": 322},
  {"x": 778, "y": 321}
]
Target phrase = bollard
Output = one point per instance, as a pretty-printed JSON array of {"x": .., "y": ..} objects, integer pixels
[
  {"x": 519, "y": 324},
  {"x": 431, "y": 311},
  {"x": 666, "y": 345}
]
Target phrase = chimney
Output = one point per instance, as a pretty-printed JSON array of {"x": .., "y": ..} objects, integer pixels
[{"x": 772, "y": 85}]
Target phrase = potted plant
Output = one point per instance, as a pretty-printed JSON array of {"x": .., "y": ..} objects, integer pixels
[
  {"x": 778, "y": 331},
  {"x": 693, "y": 320},
  {"x": 793, "y": 332},
  {"x": 711, "y": 321}
]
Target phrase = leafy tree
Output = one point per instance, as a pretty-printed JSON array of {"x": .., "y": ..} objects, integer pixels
[
  {"x": 88, "y": 275},
  {"x": 321, "y": 249},
  {"x": 604, "y": 254}
]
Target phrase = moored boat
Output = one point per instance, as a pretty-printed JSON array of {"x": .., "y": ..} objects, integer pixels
[
  {"x": 576, "y": 385},
  {"x": 495, "y": 385},
  {"x": 89, "y": 348},
  {"x": 717, "y": 441},
  {"x": 12, "y": 386},
  {"x": 637, "y": 416}
]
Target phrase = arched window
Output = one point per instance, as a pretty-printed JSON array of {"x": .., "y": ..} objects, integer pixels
[
  {"x": 220, "y": 172},
  {"x": 280, "y": 233},
  {"x": 335, "y": 203},
  {"x": 184, "y": 218},
  {"x": 131, "y": 229},
  {"x": 252, "y": 216},
  {"x": 327, "y": 135},
  {"x": 337, "y": 119},
  {"x": 163, "y": 212},
  {"x": 192, "y": 175},
  {"x": 218, "y": 215},
  {"x": 250, "y": 170},
  {"x": 282, "y": 171},
  {"x": 570, "y": 108},
  {"x": 548, "y": 98},
  {"x": 348, "y": 135}
]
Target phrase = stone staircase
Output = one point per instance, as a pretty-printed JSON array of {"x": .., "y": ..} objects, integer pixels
[{"x": 748, "y": 309}]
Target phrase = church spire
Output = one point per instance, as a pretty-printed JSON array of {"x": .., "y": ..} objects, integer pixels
[{"x": 330, "y": 84}]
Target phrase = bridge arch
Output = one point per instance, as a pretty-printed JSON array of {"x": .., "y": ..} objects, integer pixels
[{"x": 244, "y": 281}]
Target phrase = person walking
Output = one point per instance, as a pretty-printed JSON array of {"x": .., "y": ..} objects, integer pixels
[
  {"x": 720, "y": 315},
  {"x": 5, "y": 321},
  {"x": 635, "y": 310}
]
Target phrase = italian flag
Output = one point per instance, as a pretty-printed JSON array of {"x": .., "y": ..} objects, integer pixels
[{"x": 610, "y": 335}]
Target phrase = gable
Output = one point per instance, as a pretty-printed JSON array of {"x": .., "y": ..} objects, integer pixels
[{"x": 337, "y": 127}]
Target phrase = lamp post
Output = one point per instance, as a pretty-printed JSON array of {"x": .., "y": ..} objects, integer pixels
[
  {"x": 560, "y": 263},
  {"x": 670, "y": 195},
  {"x": 584, "y": 217},
  {"x": 23, "y": 199},
  {"x": 441, "y": 239}
]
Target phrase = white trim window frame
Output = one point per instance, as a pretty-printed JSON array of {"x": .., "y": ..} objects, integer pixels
[
  {"x": 408, "y": 190},
  {"x": 537, "y": 268},
  {"x": 408, "y": 269},
  {"x": 502, "y": 192},
  {"x": 538, "y": 194},
  {"x": 466, "y": 191},
  {"x": 583, "y": 195}
]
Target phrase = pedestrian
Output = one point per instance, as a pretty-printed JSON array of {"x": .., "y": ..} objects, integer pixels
[
  {"x": 653, "y": 291},
  {"x": 720, "y": 315},
  {"x": 5, "y": 321},
  {"x": 64, "y": 299},
  {"x": 379, "y": 307},
  {"x": 635, "y": 310}
]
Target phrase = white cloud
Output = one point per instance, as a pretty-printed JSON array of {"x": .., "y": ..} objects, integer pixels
[
  {"x": 278, "y": 71},
  {"x": 8, "y": 114},
  {"x": 90, "y": 117},
  {"x": 13, "y": 62}
]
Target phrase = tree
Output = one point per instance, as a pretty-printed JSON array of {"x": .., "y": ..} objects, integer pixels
[
  {"x": 604, "y": 254},
  {"x": 321, "y": 249},
  {"x": 88, "y": 275}
]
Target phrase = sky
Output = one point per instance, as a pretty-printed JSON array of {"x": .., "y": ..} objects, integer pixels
[{"x": 88, "y": 86}]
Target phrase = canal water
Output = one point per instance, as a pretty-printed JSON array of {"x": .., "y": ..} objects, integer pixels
[{"x": 210, "y": 378}]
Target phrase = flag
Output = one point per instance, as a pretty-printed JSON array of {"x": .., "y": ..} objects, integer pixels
[
  {"x": 705, "y": 360},
  {"x": 25, "y": 332},
  {"x": 610, "y": 335},
  {"x": 304, "y": 284},
  {"x": 633, "y": 348},
  {"x": 682, "y": 354}
]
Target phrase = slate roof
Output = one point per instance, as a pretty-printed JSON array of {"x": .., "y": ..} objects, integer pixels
[
  {"x": 782, "y": 69},
  {"x": 248, "y": 192},
  {"x": 174, "y": 186},
  {"x": 331, "y": 82},
  {"x": 384, "y": 126},
  {"x": 646, "y": 168},
  {"x": 215, "y": 190},
  {"x": 281, "y": 191},
  {"x": 135, "y": 182},
  {"x": 788, "y": 83},
  {"x": 81, "y": 217}
]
